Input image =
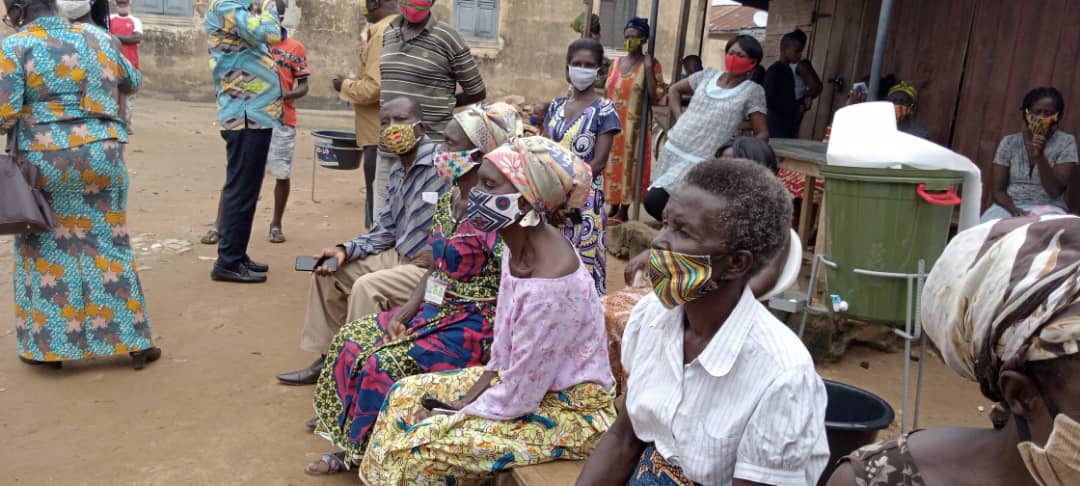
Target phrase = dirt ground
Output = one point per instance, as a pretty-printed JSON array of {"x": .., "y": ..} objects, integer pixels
[{"x": 211, "y": 412}]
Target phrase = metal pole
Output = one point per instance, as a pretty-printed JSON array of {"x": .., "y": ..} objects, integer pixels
[
  {"x": 680, "y": 40},
  {"x": 701, "y": 33},
  {"x": 639, "y": 168},
  {"x": 879, "y": 49}
]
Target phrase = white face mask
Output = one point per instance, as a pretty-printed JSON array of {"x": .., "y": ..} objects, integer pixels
[{"x": 582, "y": 78}]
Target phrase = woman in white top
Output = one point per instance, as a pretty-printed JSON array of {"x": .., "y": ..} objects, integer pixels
[
  {"x": 720, "y": 102},
  {"x": 719, "y": 391}
]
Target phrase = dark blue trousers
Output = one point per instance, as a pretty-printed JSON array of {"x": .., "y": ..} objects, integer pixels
[{"x": 246, "y": 151}]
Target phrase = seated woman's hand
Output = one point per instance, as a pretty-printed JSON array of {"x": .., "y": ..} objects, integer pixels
[
  {"x": 395, "y": 330},
  {"x": 421, "y": 414}
]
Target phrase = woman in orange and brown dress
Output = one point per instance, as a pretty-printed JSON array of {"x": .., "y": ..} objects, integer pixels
[{"x": 625, "y": 86}]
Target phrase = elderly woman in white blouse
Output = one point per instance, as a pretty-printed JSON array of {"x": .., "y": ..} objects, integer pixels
[{"x": 720, "y": 392}]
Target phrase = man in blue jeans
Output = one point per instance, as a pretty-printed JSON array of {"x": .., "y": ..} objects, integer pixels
[{"x": 249, "y": 107}]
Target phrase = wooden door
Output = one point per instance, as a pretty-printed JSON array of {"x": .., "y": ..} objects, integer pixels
[{"x": 834, "y": 50}]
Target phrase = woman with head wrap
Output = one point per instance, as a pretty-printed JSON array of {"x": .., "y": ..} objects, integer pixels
[
  {"x": 905, "y": 98},
  {"x": 445, "y": 325},
  {"x": 633, "y": 76},
  {"x": 1002, "y": 304},
  {"x": 547, "y": 392}
]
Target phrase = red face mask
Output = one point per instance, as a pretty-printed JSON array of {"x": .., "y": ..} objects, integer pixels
[
  {"x": 415, "y": 11},
  {"x": 738, "y": 65}
]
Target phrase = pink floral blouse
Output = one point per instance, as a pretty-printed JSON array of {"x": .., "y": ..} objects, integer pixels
[{"x": 549, "y": 336}]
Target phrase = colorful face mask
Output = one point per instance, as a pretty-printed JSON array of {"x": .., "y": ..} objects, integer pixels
[
  {"x": 415, "y": 11},
  {"x": 1040, "y": 125},
  {"x": 678, "y": 278},
  {"x": 738, "y": 65},
  {"x": 451, "y": 165},
  {"x": 1058, "y": 463},
  {"x": 633, "y": 44},
  {"x": 400, "y": 138},
  {"x": 492, "y": 212},
  {"x": 902, "y": 111}
]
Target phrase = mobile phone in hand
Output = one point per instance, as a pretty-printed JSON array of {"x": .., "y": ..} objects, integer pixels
[{"x": 306, "y": 263}]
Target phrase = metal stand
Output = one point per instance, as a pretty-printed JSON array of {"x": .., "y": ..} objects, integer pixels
[{"x": 912, "y": 326}]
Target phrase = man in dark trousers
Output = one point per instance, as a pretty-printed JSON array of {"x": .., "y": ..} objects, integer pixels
[{"x": 249, "y": 107}]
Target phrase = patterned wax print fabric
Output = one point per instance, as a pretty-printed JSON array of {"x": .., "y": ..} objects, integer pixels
[
  {"x": 76, "y": 291},
  {"x": 245, "y": 74},
  {"x": 466, "y": 449},
  {"x": 579, "y": 136},
  {"x": 360, "y": 367},
  {"x": 625, "y": 91},
  {"x": 59, "y": 81},
  {"x": 654, "y": 470},
  {"x": 887, "y": 463}
]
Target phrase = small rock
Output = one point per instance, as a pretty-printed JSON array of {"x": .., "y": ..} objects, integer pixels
[
  {"x": 182, "y": 251},
  {"x": 145, "y": 269},
  {"x": 865, "y": 365},
  {"x": 256, "y": 353},
  {"x": 207, "y": 259},
  {"x": 981, "y": 408},
  {"x": 3, "y": 390},
  {"x": 157, "y": 246}
]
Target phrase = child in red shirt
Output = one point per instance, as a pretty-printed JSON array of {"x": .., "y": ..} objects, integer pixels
[
  {"x": 129, "y": 30},
  {"x": 291, "y": 57}
]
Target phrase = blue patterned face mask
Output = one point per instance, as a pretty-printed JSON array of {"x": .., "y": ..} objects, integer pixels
[{"x": 492, "y": 212}]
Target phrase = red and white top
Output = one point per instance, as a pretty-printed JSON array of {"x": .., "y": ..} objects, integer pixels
[{"x": 126, "y": 26}]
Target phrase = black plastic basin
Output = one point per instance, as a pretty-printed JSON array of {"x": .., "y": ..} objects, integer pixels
[
  {"x": 852, "y": 420},
  {"x": 335, "y": 149}
]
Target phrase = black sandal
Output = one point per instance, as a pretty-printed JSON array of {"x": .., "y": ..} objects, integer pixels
[
  {"x": 327, "y": 465},
  {"x": 139, "y": 359}
]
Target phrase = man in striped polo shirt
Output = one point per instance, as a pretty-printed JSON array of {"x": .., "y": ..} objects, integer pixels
[
  {"x": 425, "y": 59},
  {"x": 380, "y": 269}
]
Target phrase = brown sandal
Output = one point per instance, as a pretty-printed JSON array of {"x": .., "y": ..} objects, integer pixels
[{"x": 327, "y": 465}]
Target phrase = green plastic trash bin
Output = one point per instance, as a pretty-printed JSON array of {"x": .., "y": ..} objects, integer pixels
[{"x": 884, "y": 220}]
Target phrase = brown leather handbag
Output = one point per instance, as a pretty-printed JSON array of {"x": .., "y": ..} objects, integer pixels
[{"x": 23, "y": 208}]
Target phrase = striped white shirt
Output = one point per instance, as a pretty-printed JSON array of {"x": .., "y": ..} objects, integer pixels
[{"x": 751, "y": 406}]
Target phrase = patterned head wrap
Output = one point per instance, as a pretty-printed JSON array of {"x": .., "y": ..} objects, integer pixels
[
  {"x": 489, "y": 126},
  {"x": 579, "y": 23},
  {"x": 639, "y": 24},
  {"x": 548, "y": 175},
  {"x": 906, "y": 88},
  {"x": 1005, "y": 293}
]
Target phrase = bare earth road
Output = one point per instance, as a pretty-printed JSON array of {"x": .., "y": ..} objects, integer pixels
[{"x": 211, "y": 412}]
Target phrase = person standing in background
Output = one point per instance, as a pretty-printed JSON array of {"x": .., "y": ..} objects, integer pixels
[
  {"x": 249, "y": 101},
  {"x": 293, "y": 73},
  {"x": 447, "y": 62},
  {"x": 128, "y": 29},
  {"x": 791, "y": 84},
  {"x": 363, "y": 92},
  {"x": 631, "y": 77}
]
